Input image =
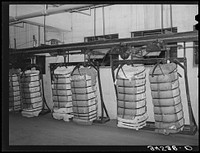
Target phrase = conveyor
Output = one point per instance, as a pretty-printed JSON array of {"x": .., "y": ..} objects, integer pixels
[
  {"x": 77, "y": 48},
  {"x": 83, "y": 48}
]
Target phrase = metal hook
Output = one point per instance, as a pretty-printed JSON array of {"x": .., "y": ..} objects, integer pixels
[{"x": 158, "y": 64}]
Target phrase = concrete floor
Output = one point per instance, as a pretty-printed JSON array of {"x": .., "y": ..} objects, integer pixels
[{"x": 44, "y": 130}]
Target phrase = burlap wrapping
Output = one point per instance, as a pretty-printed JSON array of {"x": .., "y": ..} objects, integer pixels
[
  {"x": 131, "y": 105},
  {"x": 15, "y": 98},
  {"x": 85, "y": 117},
  {"x": 167, "y": 94},
  {"x": 61, "y": 92},
  {"x": 132, "y": 112},
  {"x": 130, "y": 83},
  {"x": 84, "y": 103},
  {"x": 164, "y": 86},
  {"x": 165, "y": 91},
  {"x": 31, "y": 85},
  {"x": 62, "y": 104},
  {"x": 167, "y": 102},
  {"x": 171, "y": 127},
  {"x": 127, "y": 90},
  {"x": 32, "y": 101},
  {"x": 169, "y": 118},
  {"x": 14, "y": 90},
  {"x": 62, "y": 98},
  {"x": 84, "y": 96},
  {"x": 14, "y": 93},
  {"x": 131, "y": 97},
  {"x": 31, "y": 77},
  {"x": 85, "y": 110},
  {"x": 61, "y": 86}
]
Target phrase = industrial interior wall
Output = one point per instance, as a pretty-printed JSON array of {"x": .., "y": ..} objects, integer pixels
[
  {"x": 138, "y": 18},
  {"x": 193, "y": 79},
  {"x": 23, "y": 33},
  {"x": 130, "y": 18}
]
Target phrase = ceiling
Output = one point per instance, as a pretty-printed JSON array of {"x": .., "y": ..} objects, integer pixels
[{"x": 58, "y": 20}]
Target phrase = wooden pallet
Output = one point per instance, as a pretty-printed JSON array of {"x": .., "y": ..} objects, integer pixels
[
  {"x": 30, "y": 113},
  {"x": 83, "y": 122},
  {"x": 136, "y": 123},
  {"x": 131, "y": 126}
]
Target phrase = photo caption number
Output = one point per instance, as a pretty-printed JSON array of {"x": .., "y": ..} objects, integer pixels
[
  {"x": 174, "y": 148},
  {"x": 157, "y": 148},
  {"x": 168, "y": 148},
  {"x": 151, "y": 148},
  {"x": 162, "y": 148},
  {"x": 188, "y": 148}
]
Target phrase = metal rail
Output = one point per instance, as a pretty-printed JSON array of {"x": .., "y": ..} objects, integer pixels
[{"x": 174, "y": 37}]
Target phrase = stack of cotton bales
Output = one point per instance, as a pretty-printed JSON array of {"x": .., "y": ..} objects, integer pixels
[
  {"x": 62, "y": 95},
  {"x": 131, "y": 97},
  {"x": 84, "y": 96},
  {"x": 165, "y": 91},
  {"x": 14, "y": 90},
  {"x": 32, "y": 99}
]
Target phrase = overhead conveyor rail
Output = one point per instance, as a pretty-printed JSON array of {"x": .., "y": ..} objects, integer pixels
[
  {"x": 88, "y": 47},
  {"x": 167, "y": 38}
]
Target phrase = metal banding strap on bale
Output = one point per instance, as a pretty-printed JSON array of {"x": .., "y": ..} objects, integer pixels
[
  {"x": 56, "y": 84},
  {"x": 40, "y": 78},
  {"x": 56, "y": 78},
  {"x": 158, "y": 64},
  {"x": 85, "y": 85},
  {"x": 171, "y": 125},
  {"x": 100, "y": 89},
  {"x": 11, "y": 84},
  {"x": 27, "y": 95},
  {"x": 123, "y": 91},
  {"x": 75, "y": 92},
  {"x": 85, "y": 80},
  {"x": 138, "y": 111},
  {"x": 73, "y": 82},
  {"x": 61, "y": 92},
  {"x": 120, "y": 67},
  {"x": 14, "y": 105},
  {"x": 124, "y": 96}
]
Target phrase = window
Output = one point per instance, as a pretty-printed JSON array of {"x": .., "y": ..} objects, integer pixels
[
  {"x": 173, "y": 50},
  {"x": 102, "y": 37}
]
